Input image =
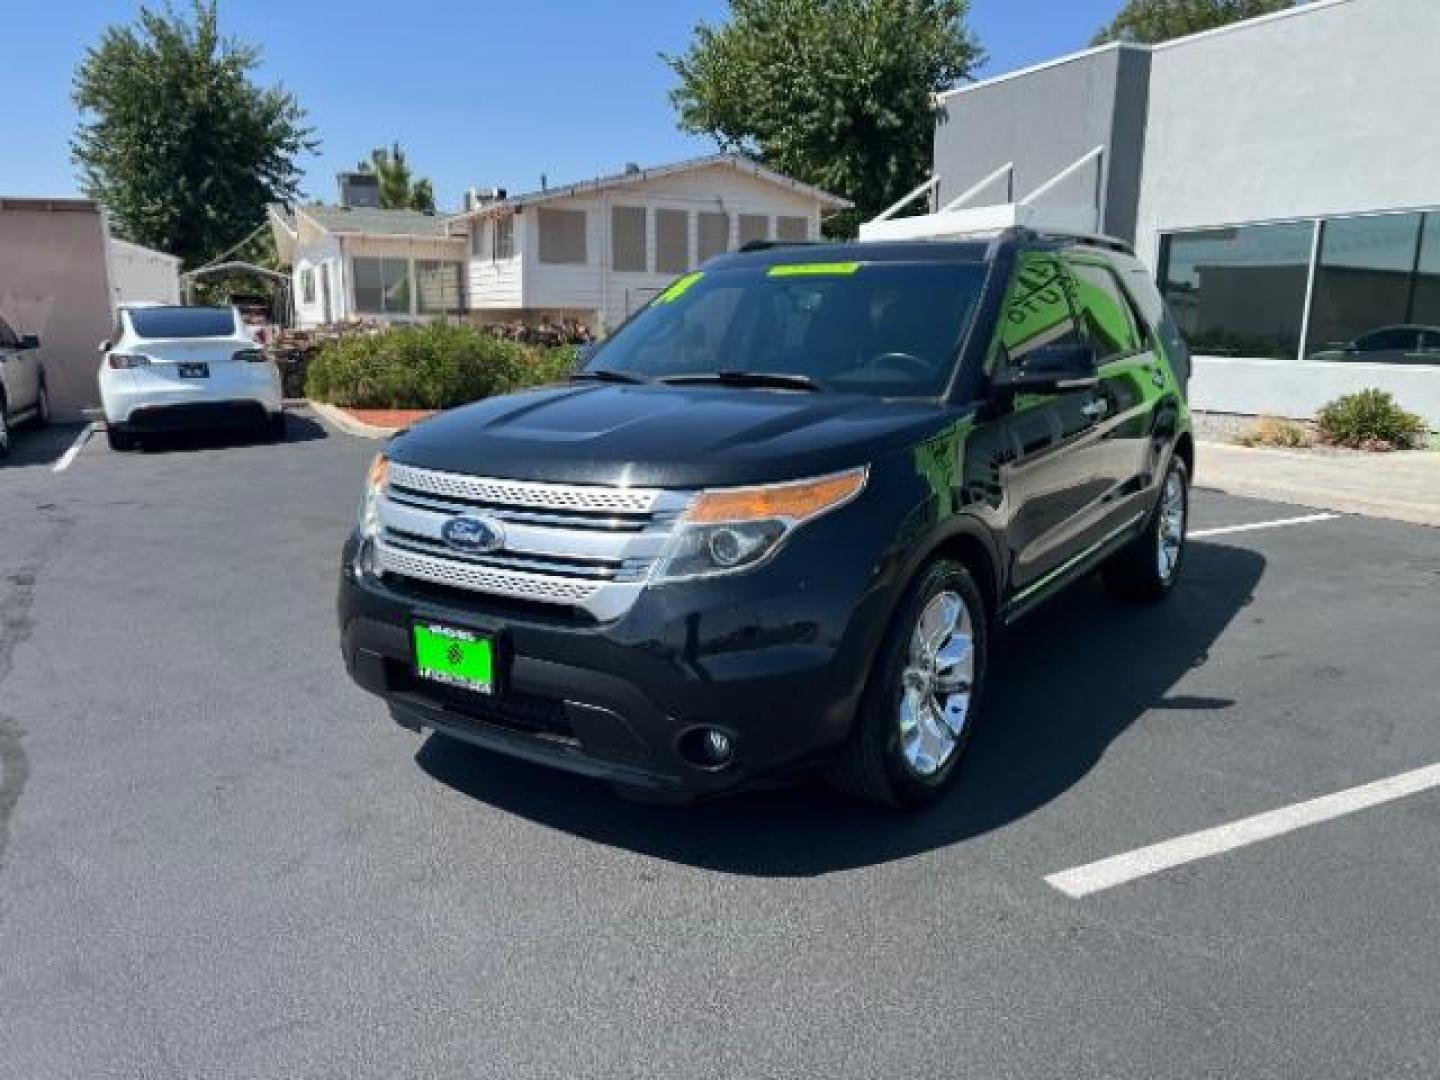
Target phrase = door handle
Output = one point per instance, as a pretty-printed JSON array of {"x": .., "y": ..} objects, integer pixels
[{"x": 1094, "y": 410}]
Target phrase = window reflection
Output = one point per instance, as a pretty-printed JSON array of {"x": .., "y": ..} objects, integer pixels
[
  {"x": 1364, "y": 290},
  {"x": 1239, "y": 291}
]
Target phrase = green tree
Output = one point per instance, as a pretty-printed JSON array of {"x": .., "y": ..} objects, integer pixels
[
  {"x": 1151, "y": 21},
  {"x": 175, "y": 138},
  {"x": 837, "y": 93},
  {"x": 399, "y": 189}
]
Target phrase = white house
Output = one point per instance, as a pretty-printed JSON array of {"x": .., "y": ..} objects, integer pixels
[{"x": 593, "y": 251}]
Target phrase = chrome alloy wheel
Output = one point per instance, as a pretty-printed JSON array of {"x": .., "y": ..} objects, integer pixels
[
  {"x": 936, "y": 683},
  {"x": 1170, "y": 533}
]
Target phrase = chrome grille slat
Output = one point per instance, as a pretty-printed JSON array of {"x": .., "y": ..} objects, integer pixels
[
  {"x": 591, "y": 571},
  {"x": 525, "y": 492},
  {"x": 511, "y": 583}
]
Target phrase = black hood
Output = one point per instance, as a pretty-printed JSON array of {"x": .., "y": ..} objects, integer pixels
[{"x": 665, "y": 436}]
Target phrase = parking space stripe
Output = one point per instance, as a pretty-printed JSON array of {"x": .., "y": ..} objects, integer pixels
[
  {"x": 1143, "y": 862},
  {"x": 68, "y": 458},
  {"x": 1307, "y": 519}
]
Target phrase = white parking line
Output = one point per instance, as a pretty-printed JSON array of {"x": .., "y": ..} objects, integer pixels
[
  {"x": 68, "y": 458},
  {"x": 1276, "y": 524},
  {"x": 1142, "y": 862}
]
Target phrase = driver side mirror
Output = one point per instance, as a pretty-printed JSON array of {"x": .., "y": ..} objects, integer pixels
[
  {"x": 1050, "y": 369},
  {"x": 29, "y": 341}
]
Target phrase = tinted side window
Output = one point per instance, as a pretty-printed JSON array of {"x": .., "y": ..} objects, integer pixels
[
  {"x": 1038, "y": 311},
  {"x": 1106, "y": 312}
]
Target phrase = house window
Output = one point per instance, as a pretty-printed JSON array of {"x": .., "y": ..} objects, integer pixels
[
  {"x": 754, "y": 227},
  {"x": 562, "y": 236},
  {"x": 792, "y": 228},
  {"x": 437, "y": 287},
  {"x": 712, "y": 234},
  {"x": 502, "y": 238},
  {"x": 672, "y": 241},
  {"x": 382, "y": 285},
  {"x": 627, "y": 238},
  {"x": 477, "y": 239},
  {"x": 307, "y": 285}
]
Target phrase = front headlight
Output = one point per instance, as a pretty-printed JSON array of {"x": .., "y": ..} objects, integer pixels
[
  {"x": 369, "y": 518},
  {"x": 731, "y": 529}
]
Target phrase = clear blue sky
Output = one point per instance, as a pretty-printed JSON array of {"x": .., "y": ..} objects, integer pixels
[{"x": 477, "y": 92}]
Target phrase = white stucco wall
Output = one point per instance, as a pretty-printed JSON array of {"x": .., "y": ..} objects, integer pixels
[
  {"x": 141, "y": 273},
  {"x": 1326, "y": 110},
  {"x": 1297, "y": 388}
]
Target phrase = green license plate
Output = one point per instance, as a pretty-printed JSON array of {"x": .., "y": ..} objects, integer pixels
[{"x": 455, "y": 657}]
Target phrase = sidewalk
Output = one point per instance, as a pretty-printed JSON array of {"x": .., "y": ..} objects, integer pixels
[{"x": 1404, "y": 486}]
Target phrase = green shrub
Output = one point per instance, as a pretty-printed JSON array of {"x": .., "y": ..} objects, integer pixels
[
  {"x": 1369, "y": 420},
  {"x": 436, "y": 366}
]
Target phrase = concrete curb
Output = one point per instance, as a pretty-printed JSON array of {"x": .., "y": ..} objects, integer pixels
[
  {"x": 1348, "y": 486},
  {"x": 345, "y": 422}
]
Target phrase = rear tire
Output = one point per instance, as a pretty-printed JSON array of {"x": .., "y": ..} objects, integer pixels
[
  {"x": 924, "y": 694},
  {"x": 120, "y": 441},
  {"x": 42, "y": 408},
  {"x": 1147, "y": 568}
]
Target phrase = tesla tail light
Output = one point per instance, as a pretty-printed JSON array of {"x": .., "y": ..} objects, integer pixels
[
  {"x": 124, "y": 361},
  {"x": 732, "y": 529},
  {"x": 251, "y": 356}
]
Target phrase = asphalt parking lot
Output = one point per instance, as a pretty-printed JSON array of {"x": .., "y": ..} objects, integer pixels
[{"x": 218, "y": 859}]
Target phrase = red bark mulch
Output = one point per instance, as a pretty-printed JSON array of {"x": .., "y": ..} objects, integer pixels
[{"x": 390, "y": 418}]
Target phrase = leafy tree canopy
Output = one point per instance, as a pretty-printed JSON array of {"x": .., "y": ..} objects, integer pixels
[
  {"x": 175, "y": 138},
  {"x": 399, "y": 189},
  {"x": 1151, "y": 21},
  {"x": 837, "y": 93}
]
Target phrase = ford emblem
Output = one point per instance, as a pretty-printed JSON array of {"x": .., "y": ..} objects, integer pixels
[{"x": 475, "y": 536}]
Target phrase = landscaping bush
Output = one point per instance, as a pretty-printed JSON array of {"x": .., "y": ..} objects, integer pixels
[
  {"x": 436, "y": 366},
  {"x": 1370, "y": 420},
  {"x": 1275, "y": 431}
]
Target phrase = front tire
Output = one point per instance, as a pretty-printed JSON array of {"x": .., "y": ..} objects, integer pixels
[
  {"x": 1147, "y": 568},
  {"x": 925, "y": 691},
  {"x": 120, "y": 440}
]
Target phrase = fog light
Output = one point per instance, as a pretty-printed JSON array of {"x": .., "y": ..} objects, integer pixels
[{"x": 707, "y": 747}]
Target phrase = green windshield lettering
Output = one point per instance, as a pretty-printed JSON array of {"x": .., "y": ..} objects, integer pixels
[
  {"x": 679, "y": 288},
  {"x": 813, "y": 269}
]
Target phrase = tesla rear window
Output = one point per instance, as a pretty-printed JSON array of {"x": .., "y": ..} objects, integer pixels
[{"x": 182, "y": 322}]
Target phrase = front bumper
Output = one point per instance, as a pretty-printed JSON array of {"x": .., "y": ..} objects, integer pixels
[{"x": 776, "y": 659}]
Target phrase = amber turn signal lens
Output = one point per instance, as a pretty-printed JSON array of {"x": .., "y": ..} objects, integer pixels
[
  {"x": 379, "y": 472},
  {"x": 794, "y": 502}
]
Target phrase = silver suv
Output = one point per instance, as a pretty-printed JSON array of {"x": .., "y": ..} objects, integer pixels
[{"x": 23, "y": 393}]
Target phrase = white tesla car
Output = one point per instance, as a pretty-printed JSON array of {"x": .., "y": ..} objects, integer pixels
[{"x": 185, "y": 368}]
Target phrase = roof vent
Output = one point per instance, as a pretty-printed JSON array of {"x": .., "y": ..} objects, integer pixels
[
  {"x": 476, "y": 197},
  {"x": 359, "y": 189}
]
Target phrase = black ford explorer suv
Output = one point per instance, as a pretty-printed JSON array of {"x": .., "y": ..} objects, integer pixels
[{"x": 773, "y": 523}]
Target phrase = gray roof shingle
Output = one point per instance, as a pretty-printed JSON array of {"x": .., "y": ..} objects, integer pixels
[{"x": 365, "y": 219}]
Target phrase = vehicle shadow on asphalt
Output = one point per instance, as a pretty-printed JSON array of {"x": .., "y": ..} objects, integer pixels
[
  {"x": 299, "y": 428},
  {"x": 1066, "y": 682},
  {"x": 31, "y": 446}
]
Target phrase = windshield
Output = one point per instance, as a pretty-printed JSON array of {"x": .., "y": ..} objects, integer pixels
[
  {"x": 890, "y": 329},
  {"x": 182, "y": 322}
]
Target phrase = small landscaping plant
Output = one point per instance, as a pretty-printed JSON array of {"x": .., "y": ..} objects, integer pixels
[
  {"x": 1275, "y": 431},
  {"x": 436, "y": 366},
  {"x": 1370, "y": 420}
]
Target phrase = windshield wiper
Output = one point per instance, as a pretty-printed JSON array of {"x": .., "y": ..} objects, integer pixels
[
  {"x": 608, "y": 375},
  {"x": 732, "y": 377}
]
